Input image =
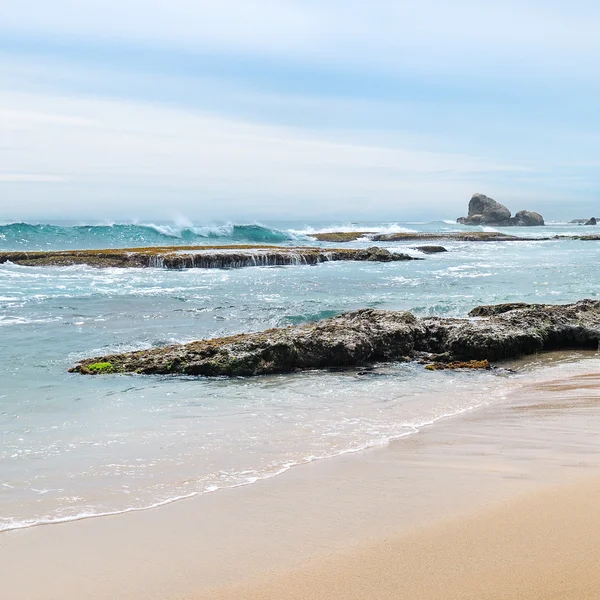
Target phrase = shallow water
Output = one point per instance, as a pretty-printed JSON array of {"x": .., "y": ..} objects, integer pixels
[{"x": 75, "y": 446}]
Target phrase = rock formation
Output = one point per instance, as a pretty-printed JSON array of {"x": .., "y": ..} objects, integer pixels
[
  {"x": 592, "y": 221},
  {"x": 527, "y": 218},
  {"x": 485, "y": 211},
  {"x": 430, "y": 249},
  {"x": 188, "y": 257},
  {"x": 370, "y": 336}
]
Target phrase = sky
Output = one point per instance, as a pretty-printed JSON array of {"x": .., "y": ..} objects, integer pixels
[{"x": 287, "y": 109}]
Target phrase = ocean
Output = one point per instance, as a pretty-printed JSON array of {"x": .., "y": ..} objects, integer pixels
[{"x": 75, "y": 447}]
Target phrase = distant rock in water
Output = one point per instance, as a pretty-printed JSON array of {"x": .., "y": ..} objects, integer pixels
[
  {"x": 592, "y": 221},
  {"x": 431, "y": 249},
  {"x": 486, "y": 211},
  {"x": 527, "y": 218}
]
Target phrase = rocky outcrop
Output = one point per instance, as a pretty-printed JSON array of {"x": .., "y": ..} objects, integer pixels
[
  {"x": 217, "y": 257},
  {"x": 461, "y": 236},
  {"x": 488, "y": 310},
  {"x": 527, "y": 218},
  {"x": 486, "y": 211},
  {"x": 430, "y": 249},
  {"x": 458, "y": 236},
  {"x": 592, "y": 221},
  {"x": 370, "y": 336}
]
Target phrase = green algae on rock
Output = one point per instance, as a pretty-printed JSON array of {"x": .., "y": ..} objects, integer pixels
[
  {"x": 457, "y": 364},
  {"x": 370, "y": 336}
]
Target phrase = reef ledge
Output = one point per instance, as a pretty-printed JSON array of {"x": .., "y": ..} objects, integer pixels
[
  {"x": 204, "y": 257},
  {"x": 370, "y": 336}
]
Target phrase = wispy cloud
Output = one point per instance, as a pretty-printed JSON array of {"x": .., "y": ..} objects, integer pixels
[
  {"x": 299, "y": 107},
  {"x": 31, "y": 178}
]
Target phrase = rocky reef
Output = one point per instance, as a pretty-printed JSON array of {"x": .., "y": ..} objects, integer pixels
[
  {"x": 370, "y": 336},
  {"x": 486, "y": 211},
  {"x": 215, "y": 257},
  {"x": 458, "y": 236}
]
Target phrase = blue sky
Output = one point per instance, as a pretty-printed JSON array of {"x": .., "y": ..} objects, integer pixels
[{"x": 330, "y": 109}]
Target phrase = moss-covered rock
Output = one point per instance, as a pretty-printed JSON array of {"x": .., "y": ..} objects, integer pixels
[{"x": 97, "y": 368}]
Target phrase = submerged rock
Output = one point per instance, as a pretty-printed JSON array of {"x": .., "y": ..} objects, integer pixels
[{"x": 369, "y": 336}]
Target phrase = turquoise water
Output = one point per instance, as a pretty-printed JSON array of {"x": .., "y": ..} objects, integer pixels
[{"x": 75, "y": 446}]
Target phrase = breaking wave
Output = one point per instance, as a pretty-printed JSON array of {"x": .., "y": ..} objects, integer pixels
[{"x": 16, "y": 236}]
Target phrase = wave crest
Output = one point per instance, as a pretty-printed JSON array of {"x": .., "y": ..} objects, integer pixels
[{"x": 16, "y": 236}]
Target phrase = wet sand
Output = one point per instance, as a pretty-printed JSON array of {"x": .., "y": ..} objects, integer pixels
[{"x": 497, "y": 503}]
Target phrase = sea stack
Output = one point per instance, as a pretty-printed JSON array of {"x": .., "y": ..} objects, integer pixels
[{"x": 486, "y": 211}]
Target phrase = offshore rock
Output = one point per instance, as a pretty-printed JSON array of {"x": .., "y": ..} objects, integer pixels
[
  {"x": 431, "y": 249},
  {"x": 591, "y": 221},
  {"x": 203, "y": 257},
  {"x": 528, "y": 218},
  {"x": 458, "y": 236},
  {"x": 369, "y": 336},
  {"x": 486, "y": 211}
]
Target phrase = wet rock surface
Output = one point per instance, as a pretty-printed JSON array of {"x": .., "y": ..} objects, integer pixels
[
  {"x": 370, "y": 336},
  {"x": 188, "y": 257},
  {"x": 487, "y": 310}
]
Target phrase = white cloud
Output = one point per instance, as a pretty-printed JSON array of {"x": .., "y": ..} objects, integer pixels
[
  {"x": 151, "y": 151},
  {"x": 30, "y": 178}
]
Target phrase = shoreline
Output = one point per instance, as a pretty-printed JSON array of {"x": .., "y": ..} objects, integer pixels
[{"x": 318, "y": 511}]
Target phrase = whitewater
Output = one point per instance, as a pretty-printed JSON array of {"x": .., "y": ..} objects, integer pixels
[{"x": 74, "y": 447}]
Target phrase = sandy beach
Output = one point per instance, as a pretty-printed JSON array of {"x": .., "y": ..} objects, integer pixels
[
  {"x": 546, "y": 545},
  {"x": 497, "y": 503}
]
